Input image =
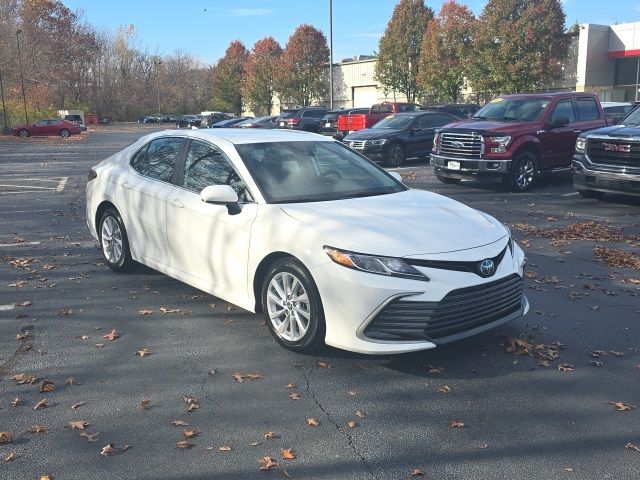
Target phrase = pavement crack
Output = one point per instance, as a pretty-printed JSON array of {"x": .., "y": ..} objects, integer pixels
[{"x": 338, "y": 427}]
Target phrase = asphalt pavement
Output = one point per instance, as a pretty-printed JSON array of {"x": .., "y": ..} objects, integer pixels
[{"x": 543, "y": 397}]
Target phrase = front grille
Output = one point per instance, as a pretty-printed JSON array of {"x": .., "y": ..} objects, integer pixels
[
  {"x": 459, "y": 311},
  {"x": 356, "y": 144},
  {"x": 466, "y": 145},
  {"x": 598, "y": 155},
  {"x": 471, "y": 267}
]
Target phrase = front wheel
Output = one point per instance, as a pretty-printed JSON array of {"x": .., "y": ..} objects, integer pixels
[
  {"x": 292, "y": 306},
  {"x": 590, "y": 193},
  {"x": 24, "y": 133},
  {"x": 114, "y": 241},
  {"x": 64, "y": 133},
  {"x": 523, "y": 172},
  {"x": 395, "y": 155}
]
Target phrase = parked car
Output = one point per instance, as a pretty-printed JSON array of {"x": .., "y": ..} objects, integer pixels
[
  {"x": 515, "y": 137},
  {"x": 397, "y": 137},
  {"x": 188, "y": 121},
  {"x": 302, "y": 118},
  {"x": 329, "y": 123},
  {"x": 428, "y": 269},
  {"x": 608, "y": 159},
  {"x": 213, "y": 118},
  {"x": 47, "y": 127},
  {"x": 616, "y": 111},
  {"x": 77, "y": 119},
  {"x": 358, "y": 121},
  {"x": 460, "y": 110},
  {"x": 229, "y": 122},
  {"x": 147, "y": 119},
  {"x": 258, "y": 122}
]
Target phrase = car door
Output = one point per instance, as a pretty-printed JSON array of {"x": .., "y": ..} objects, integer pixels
[
  {"x": 53, "y": 127},
  {"x": 421, "y": 135},
  {"x": 208, "y": 241},
  {"x": 40, "y": 128},
  {"x": 558, "y": 143},
  {"x": 142, "y": 194},
  {"x": 588, "y": 115}
]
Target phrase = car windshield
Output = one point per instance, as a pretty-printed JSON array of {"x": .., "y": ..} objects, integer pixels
[
  {"x": 395, "y": 121},
  {"x": 631, "y": 120},
  {"x": 513, "y": 109},
  {"x": 313, "y": 171}
]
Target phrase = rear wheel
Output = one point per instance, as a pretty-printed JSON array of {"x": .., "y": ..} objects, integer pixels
[
  {"x": 395, "y": 155},
  {"x": 292, "y": 306},
  {"x": 24, "y": 133},
  {"x": 114, "y": 242},
  {"x": 590, "y": 193},
  {"x": 523, "y": 172},
  {"x": 64, "y": 133}
]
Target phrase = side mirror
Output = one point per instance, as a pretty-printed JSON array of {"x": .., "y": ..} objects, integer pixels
[
  {"x": 221, "y": 195},
  {"x": 560, "y": 122},
  {"x": 397, "y": 176}
]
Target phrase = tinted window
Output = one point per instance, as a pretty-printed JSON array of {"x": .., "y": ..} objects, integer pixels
[
  {"x": 315, "y": 113},
  {"x": 513, "y": 109},
  {"x": 408, "y": 108},
  {"x": 440, "y": 119},
  {"x": 205, "y": 165},
  {"x": 41, "y": 123},
  {"x": 587, "y": 109},
  {"x": 385, "y": 109},
  {"x": 288, "y": 114},
  {"x": 564, "y": 108},
  {"x": 425, "y": 121},
  {"x": 158, "y": 159},
  {"x": 55, "y": 122}
]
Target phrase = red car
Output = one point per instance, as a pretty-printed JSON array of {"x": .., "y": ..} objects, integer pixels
[{"x": 50, "y": 126}]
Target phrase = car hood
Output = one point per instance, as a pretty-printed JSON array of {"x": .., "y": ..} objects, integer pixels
[
  {"x": 481, "y": 126},
  {"x": 372, "y": 134},
  {"x": 619, "y": 131},
  {"x": 413, "y": 222}
]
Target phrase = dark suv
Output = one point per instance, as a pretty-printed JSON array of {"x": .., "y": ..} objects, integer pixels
[
  {"x": 329, "y": 123},
  {"x": 302, "y": 118}
]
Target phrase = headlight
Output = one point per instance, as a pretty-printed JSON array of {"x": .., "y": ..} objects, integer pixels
[
  {"x": 370, "y": 263},
  {"x": 380, "y": 141},
  {"x": 511, "y": 242},
  {"x": 581, "y": 144},
  {"x": 436, "y": 142},
  {"x": 499, "y": 144}
]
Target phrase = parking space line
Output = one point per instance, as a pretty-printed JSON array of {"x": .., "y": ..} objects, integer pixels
[
  {"x": 18, "y": 244},
  {"x": 63, "y": 182},
  {"x": 570, "y": 194},
  {"x": 4, "y": 308},
  {"x": 25, "y": 186}
]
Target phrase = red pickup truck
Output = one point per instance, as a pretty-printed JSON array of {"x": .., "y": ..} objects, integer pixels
[
  {"x": 516, "y": 137},
  {"x": 359, "y": 121}
]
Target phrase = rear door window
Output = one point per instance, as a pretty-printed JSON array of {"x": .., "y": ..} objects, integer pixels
[
  {"x": 158, "y": 159},
  {"x": 587, "y": 109}
]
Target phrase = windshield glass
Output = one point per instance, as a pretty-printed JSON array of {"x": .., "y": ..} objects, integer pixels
[
  {"x": 518, "y": 109},
  {"x": 395, "y": 121},
  {"x": 292, "y": 172},
  {"x": 632, "y": 120}
]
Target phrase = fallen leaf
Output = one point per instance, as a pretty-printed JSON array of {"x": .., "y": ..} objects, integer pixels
[
  {"x": 6, "y": 437},
  {"x": 596, "y": 363},
  {"x": 112, "y": 335},
  {"x": 351, "y": 424},
  {"x": 295, "y": 396},
  {"x": 290, "y": 385},
  {"x": 238, "y": 377},
  {"x": 71, "y": 381},
  {"x": 65, "y": 311},
  {"x": 352, "y": 393},
  {"x": 190, "y": 433},
  {"x": 225, "y": 448},
  {"x": 15, "y": 402},
  {"x": 568, "y": 469},
  {"x": 183, "y": 444},
  {"x": 213, "y": 371},
  {"x": 312, "y": 422},
  {"x": 566, "y": 367},
  {"x": 9, "y": 456},
  {"x": 125, "y": 448},
  {"x": 45, "y": 477},
  {"x": 90, "y": 437},
  {"x": 143, "y": 352},
  {"x": 444, "y": 389},
  {"x": 435, "y": 370},
  {"x": 26, "y": 303},
  {"x": 145, "y": 404},
  {"x": 193, "y": 407},
  {"x": 456, "y": 424},
  {"x": 77, "y": 425},
  {"x": 287, "y": 454},
  {"x": 179, "y": 423},
  {"x": 41, "y": 404},
  {"x": 38, "y": 429},
  {"x": 145, "y": 312},
  {"x": 270, "y": 435},
  {"x": 47, "y": 386},
  {"x": 622, "y": 407},
  {"x": 254, "y": 376},
  {"x": 22, "y": 378},
  {"x": 359, "y": 414},
  {"x": 267, "y": 463},
  {"x": 170, "y": 310},
  {"x": 255, "y": 444},
  {"x": 417, "y": 473},
  {"x": 324, "y": 365},
  {"x": 107, "y": 450},
  {"x": 99, "y": 345},
  {"x": 617, "y": 354},
  {"x": 632, "y": 446},
  {"x": 286, "y": 474}
]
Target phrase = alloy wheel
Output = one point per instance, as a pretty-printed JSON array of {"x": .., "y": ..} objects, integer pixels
[
  {"x": 525, "y": 173},
  {"x": 396, "y": 155},
  {"x": 288, "y": 306},
  {"x": 111, "y": 240},
  {"x": 64, "y": 133},
  {"x": 24, "y": 133}
]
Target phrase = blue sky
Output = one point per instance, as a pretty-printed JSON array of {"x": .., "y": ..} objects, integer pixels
[{"x": 205, "y": 28}]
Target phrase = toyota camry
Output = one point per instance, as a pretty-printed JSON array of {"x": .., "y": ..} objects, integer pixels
[{"x": 329, "y": 247}]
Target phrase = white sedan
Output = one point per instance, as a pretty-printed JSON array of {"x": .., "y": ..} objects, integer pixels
[{"x": 328, "y": 246}]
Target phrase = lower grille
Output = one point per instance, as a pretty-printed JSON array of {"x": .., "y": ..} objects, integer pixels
[
  {"x": 459, "y": 311},
  {"x": 622, "y": 153}
]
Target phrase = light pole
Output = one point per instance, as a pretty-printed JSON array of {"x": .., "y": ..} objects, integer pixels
[
  {"x": 24, "y": 96},
  {"x": 331, "y": 53},
  {"x": 157, "y": 63},
  {"x": 5, "y": 130}
]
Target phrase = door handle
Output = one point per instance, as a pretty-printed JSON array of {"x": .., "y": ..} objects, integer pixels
[
  {"x": 126, "y": 185},
  {"x": 577, "y": 131},
  {"x": 177, "y": 203}
]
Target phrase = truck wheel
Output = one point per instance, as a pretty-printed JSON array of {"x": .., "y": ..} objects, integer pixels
[
  {"x": 523, "y": 172},
  {"x": 448, "y": 180},
  {"x": 394, "y": 156},
  {"x": 590, "y": 193}
]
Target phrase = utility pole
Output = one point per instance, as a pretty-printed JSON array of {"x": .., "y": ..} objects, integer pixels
[
  {"x": 5, "y": 130},
  {"x": 24, "y": 96},
  {"x": 331, "y": 53},
  {"x": 157, "y": 63}
]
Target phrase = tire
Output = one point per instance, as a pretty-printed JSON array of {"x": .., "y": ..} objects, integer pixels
[
  {"x": 590, "y": 194},
  {"x": 289, "y": 273},
  {"x": 448, "y": 180},
  {"x": 394, "y": 156},
  {"x": 64, "y": 133},
  {"x": 24, "y": 133},
  {"x": 523, "y": 172},
  {"x": 114, "y": 242}
]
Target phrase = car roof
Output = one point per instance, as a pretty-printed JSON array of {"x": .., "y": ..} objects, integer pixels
[{"x": 242, "y": 136}]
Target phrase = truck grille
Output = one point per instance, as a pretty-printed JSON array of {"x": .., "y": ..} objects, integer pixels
[
  {"x": 623, "y": 153},
  {"x": 459, "y": 311},
  {"x": 466, "y": 145},
  {"x": 356, "y": 144}
]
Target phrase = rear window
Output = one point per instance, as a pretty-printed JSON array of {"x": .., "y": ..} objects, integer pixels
[
  {"x": 587, "y": 109},
  {"x": 288, "y": 113}
]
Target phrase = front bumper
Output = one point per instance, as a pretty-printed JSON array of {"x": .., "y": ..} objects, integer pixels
[
  {"x": 353, "y": 300},
  {"x": 609, "y": 179},
  {"x": 460, "y": 167}
]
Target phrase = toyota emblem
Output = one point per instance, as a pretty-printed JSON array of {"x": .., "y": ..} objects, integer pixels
[{"x": 487, "y": 267}]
